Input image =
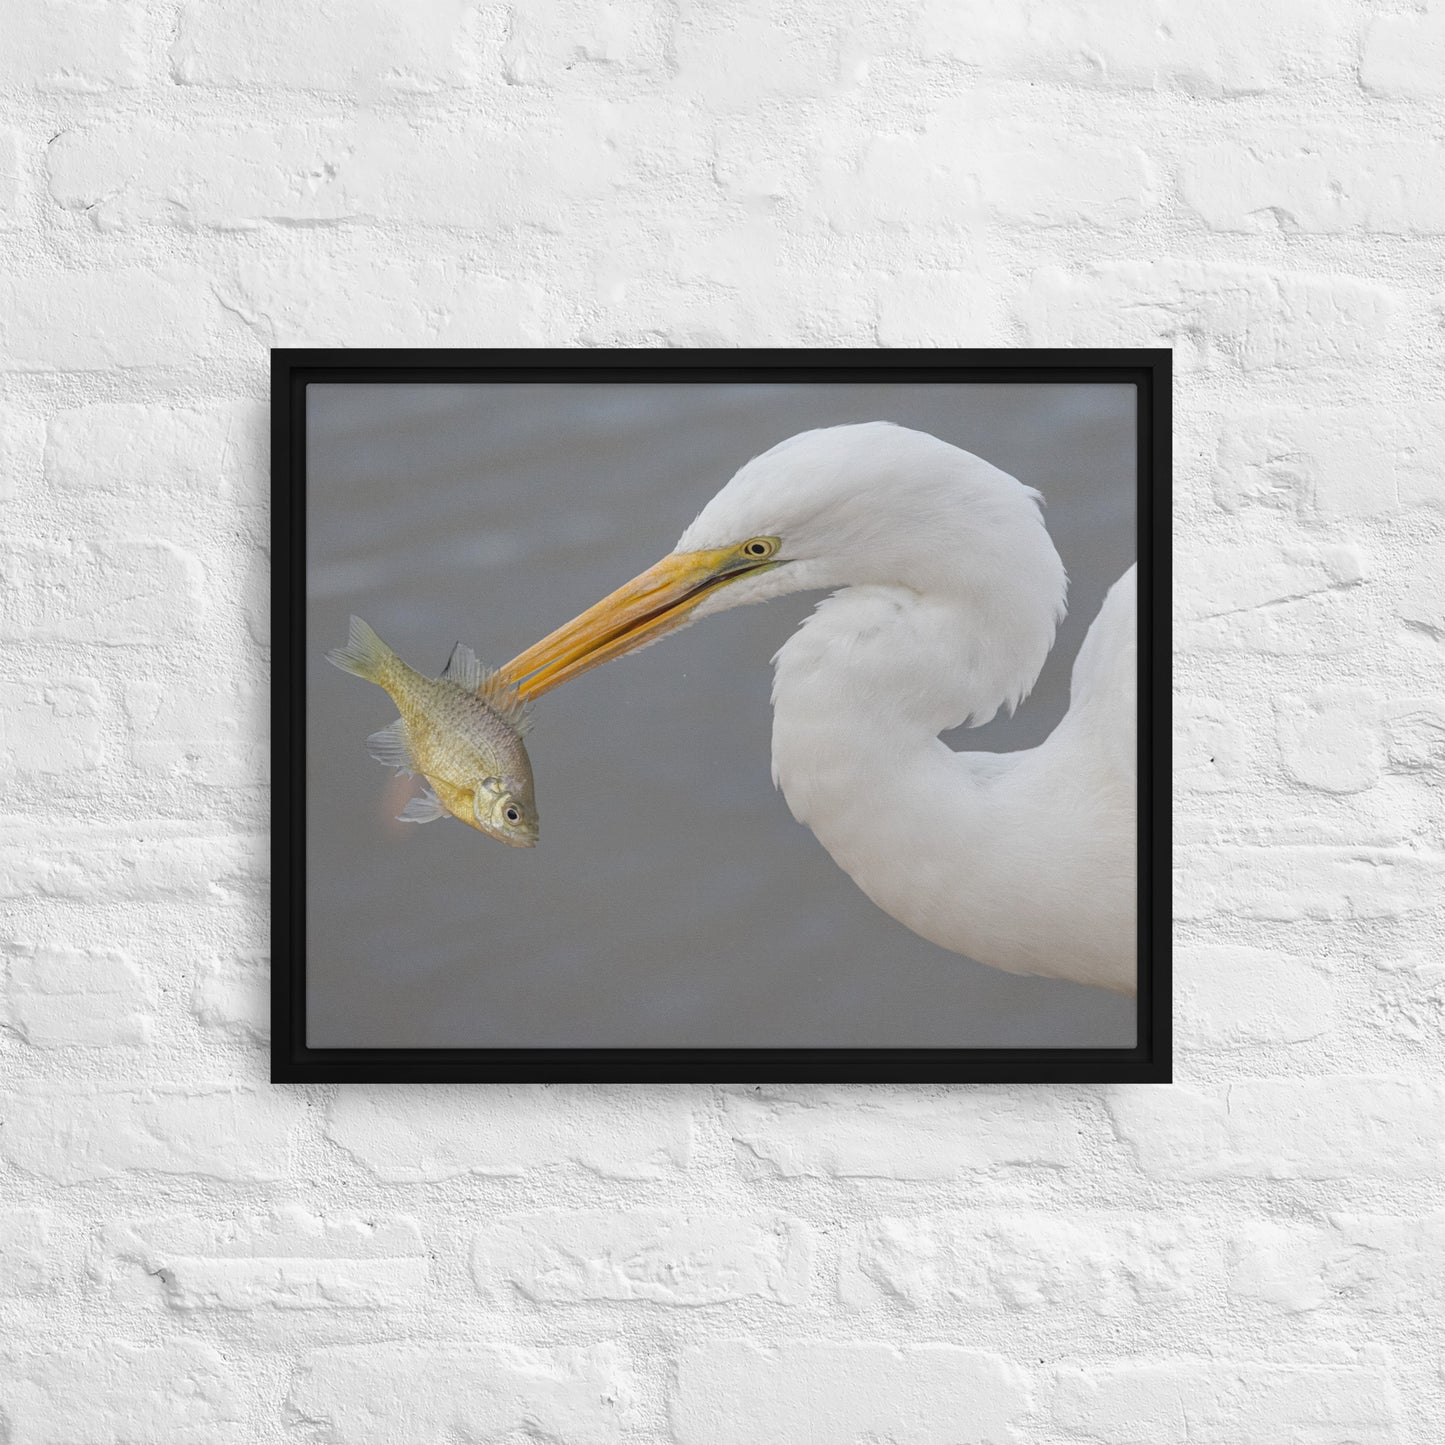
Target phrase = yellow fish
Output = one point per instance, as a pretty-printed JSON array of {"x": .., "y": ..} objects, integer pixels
[{"x": 461, "y": 731}]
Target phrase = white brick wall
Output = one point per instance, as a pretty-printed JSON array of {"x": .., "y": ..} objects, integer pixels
[{"x": 189, "y": 1255}]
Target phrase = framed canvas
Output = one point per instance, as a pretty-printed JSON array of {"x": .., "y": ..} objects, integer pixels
[{"x": 906, "y": 819}]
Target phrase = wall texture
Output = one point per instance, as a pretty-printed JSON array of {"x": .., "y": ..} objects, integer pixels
[{"x": 189, "y": 1255}]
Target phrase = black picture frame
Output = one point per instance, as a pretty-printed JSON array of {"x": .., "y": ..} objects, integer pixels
[{"x": 292, "y": 1061}]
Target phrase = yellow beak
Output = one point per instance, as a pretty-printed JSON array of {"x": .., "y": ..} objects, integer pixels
[{"x": 650, "y": 606}]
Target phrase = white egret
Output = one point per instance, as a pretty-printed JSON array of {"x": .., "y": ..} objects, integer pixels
[{"x": 946, "y": 594}]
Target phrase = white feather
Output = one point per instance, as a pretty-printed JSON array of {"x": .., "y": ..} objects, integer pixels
[{"x": 950, "y": 594}]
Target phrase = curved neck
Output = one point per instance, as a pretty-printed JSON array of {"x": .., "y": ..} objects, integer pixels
[{"x": 940, "y": 840}]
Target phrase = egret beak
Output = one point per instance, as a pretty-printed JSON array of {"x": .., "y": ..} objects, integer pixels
[{"x": 649, "y": 607}]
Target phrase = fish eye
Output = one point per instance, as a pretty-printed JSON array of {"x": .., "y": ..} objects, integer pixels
[
  {"x": 760, "y": 547},
  {"x": 513, "y": 813}
]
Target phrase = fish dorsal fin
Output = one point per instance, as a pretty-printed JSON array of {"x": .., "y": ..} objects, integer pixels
[
  {"x": 502, "y": 697},
  {"x": 391, "y": 746},
  {"x": 463, "y": 668},
  {"x": 424, "y": 809},
  {"x": 504, "y": 700}
]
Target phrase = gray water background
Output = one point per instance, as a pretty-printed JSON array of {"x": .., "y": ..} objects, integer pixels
[{"x": 672, "y": 900}]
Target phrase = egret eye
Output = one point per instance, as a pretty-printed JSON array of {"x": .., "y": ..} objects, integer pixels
[
  {"x": 760, "y": 547},
  {"x": 513, "y": 814}
]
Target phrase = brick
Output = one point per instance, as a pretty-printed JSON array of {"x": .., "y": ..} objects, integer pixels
[
  {"x": 1404, "y": 53},
  {"x": 662, "y": 1257},
  {"x": 1332, "y": 463},
  {"x": 127, "y": 862},
  {"x": 752, "y": 159},
  {"x": 1249, "y": 575},
  {"x": 1421, "y": 590},
  {"x": 1205, "y": 47},
  {"x": 1267, "y": 595},
  {"x": 1414, "y": 733},
  {"x": 432, "y": 301},
  {"x": 924, "y": 178},
  {"x": 132, "y": 451},
  {"x": 1323, "y": 184},
  {"x": 215, "y": 1131},
  {"x": 1329, "y": 740},
  {"x": 373, "y": 45},
  {"x": 791, "y": 1133},
  {"x": 1211, "y": 749},
  {"x": 543, "y": 43},
  {"x": 1032, "y": 179},
  {"x": 940, "y": 308},
  {"x": 12, "y": 180},
  {"x": 1330, "y": 622},
  {"x": 211, "y": 731},
  {"x": 1371, "y": 1263},
  {"x": 1408, "y": 1002},
  {"x": 62, "y": 996},
  {"x": 103, "y": 320},
  {"x": 445, "y": 1132},
  {"x": 1328, "y": 1128},
  {"x": 289, "y": 1259},
  {"x": 114, "y": 591},
  {"x": 27, "y": 1256},
  {"x": 117, "y": 1393},
  {"x": 787, "y": 308},
  {"x": 1233, "y": 996},
  {"x": 1219, "y": 1402},
  {"x": 732, "y": 1390},
  {"x": 485, "y": 175},
  {"x": 1265, "y": 572},
  {"x": 22, "y": 439},
  {"x": 201, "y": 176},
  {"x": 1022, "y": 1260},
  {"x": 405, "y": 1394},
  {"x": 752, "y": 51},
  {"x": 74, "y": 45},
  {"x": 232, "y": 996},
  {"x": 54, "y": 726},
  {"x": 1214, "y": 315},
  {"x": 1289, "y": 882}
]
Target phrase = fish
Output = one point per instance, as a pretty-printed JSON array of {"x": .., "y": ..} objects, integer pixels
[{"x": 462, "y": 732}]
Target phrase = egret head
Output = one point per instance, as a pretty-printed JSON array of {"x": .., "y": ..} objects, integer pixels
[{"x": 848, "y": 505}]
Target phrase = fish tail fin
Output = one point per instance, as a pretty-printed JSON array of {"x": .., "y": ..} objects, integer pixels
[{"x": 365, "y": 654}]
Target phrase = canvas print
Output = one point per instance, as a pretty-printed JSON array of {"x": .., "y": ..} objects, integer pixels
[{"x": 721, "y": 714}]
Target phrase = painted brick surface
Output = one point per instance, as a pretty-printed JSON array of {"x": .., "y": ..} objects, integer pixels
[
  {"x": 118, "y": 1393},
  {"x": 190, "y": 1255},
  {"x": 794, "y": 1133},
  {"x": 1025, "y": 1260},
  {"x": 1325, "y": 1128},
  {"x": 289, "y": 1260},
  {"x": 1182, "y": 1400},
  {"x": 662, "y": 1258},
  {"x": 918, "y": 1394},
  {"x": 61, "y": 996},
  {"x": 219, "y": 1131},
  {"x": 76, "y": 46},
  {"x": 415, "y": 1394},
  {"x": 446, "y": 1131},
  {"x": 1378, "y": 1264}
]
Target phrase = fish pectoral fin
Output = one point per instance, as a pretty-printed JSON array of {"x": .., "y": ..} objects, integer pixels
[
  {"x": 425, "y": 809},
  {"x": 391, "y": 746},
  {"x": 463, "y": 668}
]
